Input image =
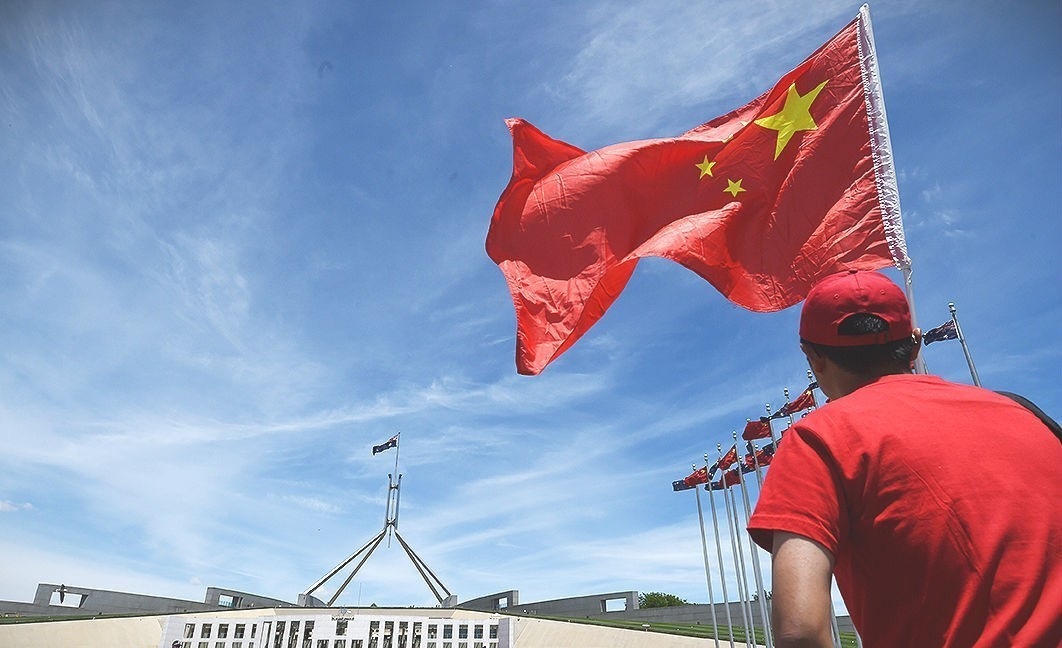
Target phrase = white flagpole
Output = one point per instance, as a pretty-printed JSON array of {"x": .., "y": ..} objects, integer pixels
[
  {"x": 761, "y": 594},
  {"x": 739, "y": 558},
  {"x": 719, "y": 552},
  {"x": 704, "y": 551},
  {"x": 962, "y": 341}
]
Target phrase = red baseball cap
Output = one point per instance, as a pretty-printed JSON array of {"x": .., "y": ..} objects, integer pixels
[{"x": 847, "y": 293}]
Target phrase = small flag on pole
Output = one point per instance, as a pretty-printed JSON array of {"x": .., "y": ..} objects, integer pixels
[
  {"x": 386, "y": 445},
  {"x": 806, "y": 400},
  {"x": 680, "y": 485},
  {"x": 729, "y": 459},
  {"x": 758, "y": 429},
  {"x": 945, "y": 331}
]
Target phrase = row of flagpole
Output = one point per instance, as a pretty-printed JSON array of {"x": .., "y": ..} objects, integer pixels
[
  {"x": 734, "y": 468},
  {"x": 733, "y": 474}
]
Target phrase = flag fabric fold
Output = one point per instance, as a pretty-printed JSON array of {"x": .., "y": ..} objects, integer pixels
[
  {"x": 386, "y": 445},
  {"x": 946, "y": 331},
  {"x": 760, "y": 202}
]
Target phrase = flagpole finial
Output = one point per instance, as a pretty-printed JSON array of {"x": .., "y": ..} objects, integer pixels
[{"x": 951, "y": 307}]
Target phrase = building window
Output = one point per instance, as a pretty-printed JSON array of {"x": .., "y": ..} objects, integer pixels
[
  {"x": 478, "y": 632},
  {"x": 293, "y": 634},
  {"x": 204, "y": 644},
  {"x": 494, "y": 632},
  {"x": 307, "y": 634},
  {"x": 189, "y": 630},
  {"x": 341, "y": 627},
  {"x": 278, "y": 636},
  {"x": 448, "y": 631},
  {"x": 237, "y": 644},
  {"x": 253, "y": 628},
  {"x": 339, "y": 643},
  {"x": 223, "y": 631},
  {"x": 462, "y": 632},
  {"x": 433, "y": 632},
  {"x": 322, "y": 643},
  {"x": 204, "y": 632},
  {"x": 219, "y": 644},
  {"x": 237, "y": 632}
]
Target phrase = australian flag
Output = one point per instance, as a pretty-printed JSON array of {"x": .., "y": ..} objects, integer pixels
[
  {"x": 946, "y": 331},
  {"x": 386, "y": 445}
]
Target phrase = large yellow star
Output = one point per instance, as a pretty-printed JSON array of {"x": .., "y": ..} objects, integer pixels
[
  {"x": 733, "y": 188},
  {"x": 794, "y": 116},
  {"x": 705, "y": 167}
]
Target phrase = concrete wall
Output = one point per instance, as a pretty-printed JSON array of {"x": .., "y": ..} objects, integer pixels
[
  {"x": 579, "y": 606},
  {"x": 82, "y": 601}
]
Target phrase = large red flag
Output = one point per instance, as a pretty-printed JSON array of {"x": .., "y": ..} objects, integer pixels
[{"x": 760, "y": 202}]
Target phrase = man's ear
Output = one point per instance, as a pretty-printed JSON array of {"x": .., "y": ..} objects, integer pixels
[{"x": 916, "y": 337}]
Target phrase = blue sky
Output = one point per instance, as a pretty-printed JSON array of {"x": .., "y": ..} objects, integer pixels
[{"x": 241, "y": 244}]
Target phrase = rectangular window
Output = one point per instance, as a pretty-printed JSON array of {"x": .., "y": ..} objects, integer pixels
[
  {"x": 462, "y": 631},
  {"x": 189, "y": 630},
  {"x": 339, "y": 643},
  {"x": 293, "y": 634},
  {"x": 223, "y": 631},
  {"x": 341, "y": 627},
  {"x": 433, "y": 632},
  {"x": 237, "y": 644},
  {"x": 478, "y": 634},
  {"x": 278, "y": 636},
  {"x": 204, "y": 644},
  {"x": 255, "y": 627},
  {"x": 493, "y": 631},
  {"x": 204, "y": 632},
  {"x": 219, "y": 644},
  {"x": 307, "y": 634},
  {"x": 237, "y": 632},
  {"x": 448, "y": 631}
]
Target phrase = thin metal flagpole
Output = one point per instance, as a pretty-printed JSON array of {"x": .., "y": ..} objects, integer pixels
[
  {"x": 704, "y": 550},
  {"x": 962, "y": 341},
  {"x": 761, "y": 594},
  {"x": 719, "y": 552},
  {"x": 739, "y": 558}
]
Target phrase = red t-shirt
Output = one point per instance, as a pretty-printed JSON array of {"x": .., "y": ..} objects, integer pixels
[{"x": 942, "y": 506}]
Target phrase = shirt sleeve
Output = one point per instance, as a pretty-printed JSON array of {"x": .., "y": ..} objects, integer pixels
[{"x": 801, "y": 494}]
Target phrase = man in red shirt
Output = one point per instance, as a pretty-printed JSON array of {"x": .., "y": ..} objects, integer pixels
[{"x": 937, "y": 506}]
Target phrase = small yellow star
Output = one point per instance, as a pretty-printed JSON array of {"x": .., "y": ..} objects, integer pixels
[
  {"x": 794, "y": 116},
  {"x": 733, "y": 188},
  {"x": 705, "y": 167}
]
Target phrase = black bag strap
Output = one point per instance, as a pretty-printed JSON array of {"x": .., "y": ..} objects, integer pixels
[{"x": 1040, "y": 414}]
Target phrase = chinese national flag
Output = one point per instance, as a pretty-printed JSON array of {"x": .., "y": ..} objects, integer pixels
[
  {"x": 758, "y": 429},
  {"x": 697, "y": 477},
  {"x": 729, "y": 478},
  {"x": 729, "y": 458},
  {"x": 806, "y": 400},
  {"x": 760, "y": 202}
]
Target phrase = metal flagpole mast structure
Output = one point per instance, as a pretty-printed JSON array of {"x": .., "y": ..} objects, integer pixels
[
  {"x": 704, "y": 550},
  {"x": 761, "y": 594},
  {"x": 719, "y": 551},
  {"x": 394, "y": 483},
  {"x": 739, "y": 559},
  {"x": 962, "y": 341}
]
